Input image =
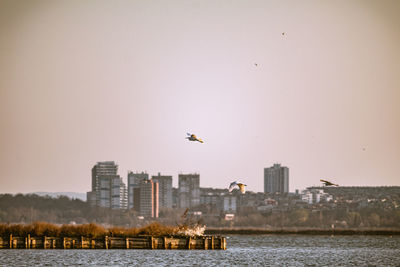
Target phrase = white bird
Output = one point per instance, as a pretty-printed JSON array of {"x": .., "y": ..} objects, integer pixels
[
  {"x": 192, "y": 137},
  {"x": 240, "y": 185}
]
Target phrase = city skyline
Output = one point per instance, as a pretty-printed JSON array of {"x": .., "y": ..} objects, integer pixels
[
  {"x": 175, "y": 182},
  {"x": 312, "y": 85}
]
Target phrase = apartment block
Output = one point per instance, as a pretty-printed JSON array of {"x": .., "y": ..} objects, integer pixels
[
  {"x": 146, "y": 199},
  {"x": 165, "y": 189},
  {"x": 108, "y": 189},
  {"x": 276, "y": 179},
  {"x": 134, "y": 181},
  {"x": 188, "y": 190}
]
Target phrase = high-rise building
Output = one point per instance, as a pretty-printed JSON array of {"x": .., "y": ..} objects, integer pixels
[
  {"x": 136, "y": 198},
  {"x": 188, "y": 190},
  {"x": 276, "y": 179},
  {"x": 134, "y": 180},
  {"x": 212, "y": 197},
  {"x": 124, "y": 196},
  {"x": 108, "y": 189},
  {"x": 105, "y": 168},
  {"x": 164, "y": 189},
  {"x": 175, "y": 198},
  {"x": 146, "y": 199},
  {"x": 118, "y": 193}
]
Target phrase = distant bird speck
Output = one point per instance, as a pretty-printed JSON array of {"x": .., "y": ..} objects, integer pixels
[
  {"x": 283, "y": 33},
  {"x": 255, "y": 64}
]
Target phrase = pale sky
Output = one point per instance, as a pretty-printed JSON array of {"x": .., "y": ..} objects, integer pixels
[{"x": 313, "y": 85}]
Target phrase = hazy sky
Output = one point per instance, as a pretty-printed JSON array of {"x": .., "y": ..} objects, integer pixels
[{"x": 89, "y": 81}]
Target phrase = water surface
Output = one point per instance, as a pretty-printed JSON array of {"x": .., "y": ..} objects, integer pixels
[{"x": 262, "y": 250}]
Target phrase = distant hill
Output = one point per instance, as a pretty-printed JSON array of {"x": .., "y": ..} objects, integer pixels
[{"x": 77, "y": 195}]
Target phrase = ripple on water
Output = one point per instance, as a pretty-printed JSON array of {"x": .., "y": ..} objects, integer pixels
[{"x": 289, "y": 250}]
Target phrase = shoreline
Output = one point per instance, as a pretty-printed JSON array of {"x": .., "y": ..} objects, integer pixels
[{"x": 302, "y": 231}]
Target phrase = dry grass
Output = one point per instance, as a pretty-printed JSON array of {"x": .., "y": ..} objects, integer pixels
[
  {"x": 158, "y": 229},
  {"x": 86, "y": 230},
  {"x": 35, "y": 229}
]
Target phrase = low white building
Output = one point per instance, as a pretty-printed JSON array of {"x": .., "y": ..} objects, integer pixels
[{"x": 312, "y": 196}]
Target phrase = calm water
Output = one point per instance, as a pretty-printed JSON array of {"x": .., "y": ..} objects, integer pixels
[{"x": 263, "y": 250}]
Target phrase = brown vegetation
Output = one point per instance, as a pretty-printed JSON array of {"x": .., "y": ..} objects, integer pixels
[
  {"x": 154, "y": 229},
  {"x": 86, "y": 230}
]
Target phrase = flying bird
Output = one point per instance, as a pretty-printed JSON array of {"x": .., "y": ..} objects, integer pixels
[
  {"x": 327, "y": 183},
  {"x": 192, "y": 137},
  {"x": 240, "y": 185}
]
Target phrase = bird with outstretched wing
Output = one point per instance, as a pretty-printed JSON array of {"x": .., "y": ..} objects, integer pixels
[
  {"x": 240, "y": 185},
  {"x": 327, "y": 183},
  {"x": 193, "y": 137}
]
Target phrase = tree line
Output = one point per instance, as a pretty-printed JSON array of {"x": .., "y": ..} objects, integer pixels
[{"x": 30, "y": 208}]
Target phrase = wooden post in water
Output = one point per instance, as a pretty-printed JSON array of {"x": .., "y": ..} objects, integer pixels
[
  {"x": 151, "y": 242},
  {"x": 145, "y": 242}
]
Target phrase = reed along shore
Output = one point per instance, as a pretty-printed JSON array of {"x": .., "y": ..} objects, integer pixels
[{"x": 303, "y": 231}]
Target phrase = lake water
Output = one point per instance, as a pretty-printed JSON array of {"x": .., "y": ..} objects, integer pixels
[{"x": 262, "y": 250}]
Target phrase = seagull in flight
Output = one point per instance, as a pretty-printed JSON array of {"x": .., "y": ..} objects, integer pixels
[
  {"x": 192, "y": 137},
  {"x": 327, "y": 183},
  {"x": 240, "y": 185}
]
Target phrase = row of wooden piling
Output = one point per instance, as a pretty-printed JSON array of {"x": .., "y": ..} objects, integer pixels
[{"x": 141, "y": 242}]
